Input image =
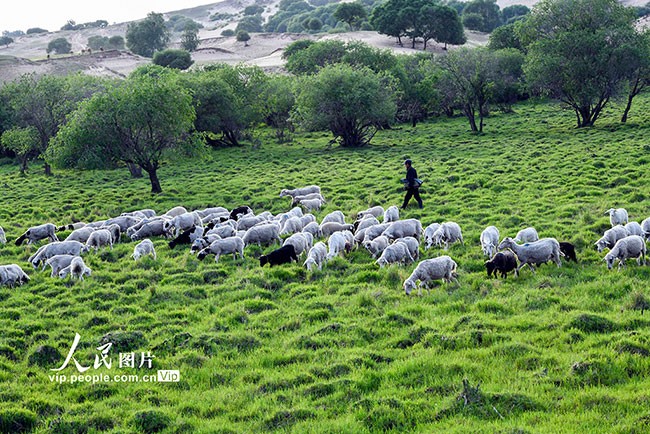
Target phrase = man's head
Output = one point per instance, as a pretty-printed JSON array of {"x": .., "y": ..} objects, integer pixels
[{"x": 407, "y": 163}]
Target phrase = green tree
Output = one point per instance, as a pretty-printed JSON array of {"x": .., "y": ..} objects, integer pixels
[
  {"x": 442, "y": 24},
  {"x": 243, "y": 36},
  {"x": 314, "y": 24},
  {"x": 59, "y": 46},
  {"x": 514, "y": 12},
  {"x": 35, "y": 30},
  {"x": 250, "y": 23},
  {"x": 254, "y": 10},
  {"x": 147, "y": 36},
  {"x": 143, "y": 120},
  {"x": 96, "y": 42},
  {"x": 277, "y": 100},
  {"x": 296, "y": 46},
  {"x": 24, "y": 142},
  {"x": 473, "y": 21},
  {"x": 350, "y": 102},
  {"x": 581, "y": 52},
  {"x": 488, "y": 10},
  {"x": 386, "y": 19},
  {"x": 351, "y": 13},
  {"x": 172, "y": 58},
  {"x": 190, "y": 38},
  {"x": 639, "y": 80},
  {"x": 6, "y": 40},
  {"x": 506, "y": 36},
  {"x": 116, "y": 42},
  {"x": 316, "y": 55}
]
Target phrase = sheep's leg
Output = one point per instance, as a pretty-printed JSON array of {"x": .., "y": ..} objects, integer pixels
[
  {"x": 216, "y": 258},
  {"x": 531, "y": 268}
]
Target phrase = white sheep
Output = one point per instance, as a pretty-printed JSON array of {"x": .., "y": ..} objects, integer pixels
[
  {"x": 37, "y": 233},
  {"x": 124, "y": 222},
  {"x": 634, "y": 228},
  {"x": 115, "y": 231},
  {"x": 404, "y": 228},
  {"x": 232, "y": 245},
  {"x": 99, "y": 238},
  {"x": 300, "y": 191},
  {"x": 610, "y": 237},
  {"x": 201, "y": 243},
  {"x": 329, "y": 228},
  {"x": 144, "y": 247},
  {"x": 316, "y": 256},
  {"x": 314, "y": 229},
  {"x": 181, "y": 223},
  {"x": 391, "y": 214},
  {"x": 245, "y": 223},
  {"x": 307, "y": 218},
  {"x": 645, "y": 225},
  {"x": 413, "y": 246},
  {"x": 375, "y": 211},
  {"x": 133, "y": 229},
  {"x": 291, "y": 226},
  {"x": 335, "y": 216},
  {"x": 152, "y": 229},
  {"x": 374, "y": 231},
  {"x": 58, "y": 263},
  {"x": 535, "y": 253},
  {"x": 337, "y": 244},
  {"x": 299, "y": 199},
  {"x": 56, "y": 248},
  {"x": 366, "y": 222},
  {"x": 311, "y": 204},
  {"x": 80, "y": 234},
  {"x": 12, "y": 274},
  {"x": 526, "y": 235},
  {"x": 377, "y": 246},
  {"x": 263, "y": 234},
  {"x": 3, "y": 236},
  {"x": 359, "y": 236},
  {"x": 218, "y": 210},
  {"x": 76, "y": 269},
  {"x": 632, "y": 246},
  {"x": 428, "y": 235},
  {"x": 617, "y": 216},
  {"x": 395, "y": 253},
  {"x": 177, "y": 210},
  {"x": 301, "y": 242},
  {"x": 440, "y": 268},
  {"x": 489, "y": 241},
  {"x": 147, "y": 213},
  {"x": 447, "y": 233},
  {"x": 223, "y": 230}
]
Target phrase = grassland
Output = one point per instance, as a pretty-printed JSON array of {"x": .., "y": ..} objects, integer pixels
[{"x": 344, "y": 350}]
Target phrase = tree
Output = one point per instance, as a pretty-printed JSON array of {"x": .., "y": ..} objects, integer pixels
[
  {"x": 277, "y": 100},
  {"x": 147, "y": 36},
  {"x": 59, "y": 46},
  {"x": 581, "y": 52},
  {"x": 35, "y": 30},
  {"x": 97, "y": 42},
  {"x": 514, "y": 13},
  {"x": 171, "y": 58},
  {"x": 351, "y": 13},
  {"x": 24, "y": 142},
  {"x": 143, "y": 120},
  {"x": 350, "y": 102},
  {"x": 489, "y": 12},
  {"x": 314, "y": 56},
  {"x": 442, "y": 24},
  {"x": 386, "y": 19},
  {"x": 250, "y": 23},
  {"x": 314, "y": 24},
  {"x": 6, "y": 40},
  {"x": 254, "y": 10},
  {"x": 116, "y": 42},
  {"x": 190, "y": 38},
  {"x": 639, "y": 80},
  {"x": 243, "y": 36},
  {"x": 296, "y": 46},
  {"x": 505, "y": 37}
]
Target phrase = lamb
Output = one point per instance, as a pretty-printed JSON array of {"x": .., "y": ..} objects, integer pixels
[
  {"x": 447, "y": 233},
  {"x": 81, "y": 234},
  {"x": 365, "y": 222},
  {"x": 374, "y": 231},
  {"x": 490, "y": 240},
  {"x": 377, "y": 246},
  {"x": 262, "y": 234},
  {"x": 610, "y": 237},
  {"x": 645, "y": 225},
  {"x": 395, "y": 253},
  {"x": 334, "y": 216},
  {"x": 632, "y": 246},
  {"x": 314, "y": 229},
  {"x": 617, "y": 216},
  {"x": 300, "y": 191},
  {"x": 291, "y": 226},
  {"x": 124, "y": 222},
  {"x": 58, "y": 263},
  {"x": 527, "y": 235},
  {"x": 115, "y": 231},
  {"x": 239, "y": 212},
  {"x": 56, "y": 248},
  {"x": 503, "y": 262},
  {"x": 569, "y": 251},
  {"x": 412, "y": 244},
  {"x": 201, "y": 243},
  {"x": 37, "y": 233},
  {"x": 634, "y": 228},
  {"x": 76, "y": 269},
  {"x": 337, "y": 244},
  {"x": 12, "y": 274},
  {"x": 535, "y": 253},
  {"x": 307, "y": 218},
  {"x": 187, "y": 237},
  {"x": 404, "y": 228},
  {"x": 298, "y": 199},
  {"x": 283, "y": 255},
  {"x": 391, "y": 214},
  {"x": 301, "y": 242},
  {"x": 152, "y": 229},
  {"x": 428, "y": 235},
  {"x": 245, "y": 223},
  {"x": 232, "y": 245},
  {"x": 442, "y": 267},
  {"x": 181, "y": 222},
  {"x": 375, "y": 211},
  {"x": 316, "y": 256},
  {"x": 99, "y": 238},
  {"x": 311, "y": 204},
  {"x": 177, "y": 210},
  {"x": 329, "y": 228},
  {"x": 144, "y": 247}
]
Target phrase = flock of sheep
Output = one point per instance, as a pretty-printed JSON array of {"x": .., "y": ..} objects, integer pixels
[{"x": 218, "y": 231}]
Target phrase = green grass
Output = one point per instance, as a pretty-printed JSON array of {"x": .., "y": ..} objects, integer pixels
[{"x": 344, "y": 350}]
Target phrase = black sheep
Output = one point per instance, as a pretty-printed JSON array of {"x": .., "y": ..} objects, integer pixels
[
  {"x": 240, "y": 211},
  {"x": 183, "y": 238},
  {"x": 569, "y": 251},
  {"x": 283, "y": 255},
  {"x": 503, "y": 262}
]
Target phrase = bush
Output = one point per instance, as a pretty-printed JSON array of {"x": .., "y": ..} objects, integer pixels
[
  {"x": 35, "y": 30},
  {"x": 151, "y": 421},
  {"x": 16, "y": 421},
  {"x": 228, "y": 33},
  {"x": 59, "y": 46},
  {"x": 177, "y": 59}
]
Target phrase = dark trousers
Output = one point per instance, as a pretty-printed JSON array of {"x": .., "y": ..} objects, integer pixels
[{"x": 412, "y": 192}]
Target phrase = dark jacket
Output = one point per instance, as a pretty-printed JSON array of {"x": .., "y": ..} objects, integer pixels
[{"x": 411, "y": 174}]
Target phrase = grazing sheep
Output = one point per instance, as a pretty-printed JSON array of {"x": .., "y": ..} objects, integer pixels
[
  {"x": 314, "y": 229},
  {"x": 337, "y": 244},
  {"x": 180, "y": 223},
  {"x": 395, "y": 253},
  {"x": 201, "y": 243},
  {"x": 283, "y": 255},
  {"x": 335, "y": 216},
  {"x": 98, "y": 224},
  {"x": 37, "y": 233},
  {"x": 99, "y": 238},
  {"x": 124, "y": 222},
  {"x": 58, "y": 263},
  {"x": 645, "y": 225},
  {"x": 301, "y": 242},
  {"x": 147, "y": 213},
  {"x": 176, "y": 211},
  {"x": 634, "y": 228},
  {"x": 239, "y": 212},
  {"x": 263, "y": 234},
  {"x": 203, "y": 213},
  {"x": 535, "y": 253},
  {"x": 412, "y": 244},
  {"x": 299, "y": 199},
  {"x": 80, "y": 234},
  {"x": 329, "y": 228},
  {"x": 144, "y": 247},
  {"x": 245, "y": 223},
  {"x": 187, "y": 237},
  {"x": 307, "y": 218},
  {"x": 232, "y": 245},
  {"x": 503, "y": 262},
  {"x": 311, "y": 204},
  {"x": 365, "y": 222},
  {"x": 224, "y": 230},
  {"x": 76, "y": 269},
  {"x": 447, "y": 233},
  {"x": 316, "y": 256},
  {"x": 391, "y": 214},
  {"x": 12, "y": 274},
  {"x": 527, "y": 235},
  {"x": 377, "y": 246},
  {"x": 489, "y": 240},
  {"x": 628, "y": 247},
  {"x": 216, "y": 217},
  {"x": 300, "y": 191},
  {"x": 152, "y": 229},
  {"x": 428, "y": 235},
  {"x": 374, "y": 211},
  {"x": 374, "y": 231},
  {"x": 71, "y": 227},
  {"x": 3, "y": 236},
  {"x": 291, "y": 226},
  {"x": 404, "y": 228},
  {"x": 359, "y": 236},
  {"x": 440, "y": 268},
  {"x": 610, "y": 237},
  {"x": 56, "y": 248},
  {"x": 617, "y": 216},
  {"x": 133, "y": 229},
  {"x": 569, "y": 251},
  {"x": 115, "y": 231}
]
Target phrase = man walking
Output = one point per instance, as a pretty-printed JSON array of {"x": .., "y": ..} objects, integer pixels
[{"x": 412, "y": 186}]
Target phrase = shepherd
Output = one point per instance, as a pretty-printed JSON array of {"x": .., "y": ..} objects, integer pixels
[{"x": 412, "y": 184}]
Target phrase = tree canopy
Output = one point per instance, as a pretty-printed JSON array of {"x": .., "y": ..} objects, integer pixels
[
  {"x": 172, "y": 58},
  {"x": 351, "y": 13},
  {"x": 147, "y": 36},
  {"x": 59, "y": 46}
]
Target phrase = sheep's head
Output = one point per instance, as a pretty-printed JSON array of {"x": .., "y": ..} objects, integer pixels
[
  {"x": 202, "y": 254},
  {"x": 507, "y": 243},
  {"x": 409, "y": 285},
  {"x": 264, "y": 260},
  {"x": 600, "y": 244},
  {"x": 309, "y": 263},
  {"x": 609, "y": 259}
]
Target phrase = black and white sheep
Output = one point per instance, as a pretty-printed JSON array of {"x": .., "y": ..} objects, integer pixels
[
  {"x": 391, "y": 214},
  {"x": 283, "y": 255},
  {"x": 440, "y": 268},
  {"x": 502, "y": 262},
  {"x": 263, "y": 234},
  {"x": 447, "y": 233},
  {"x": 535, "y": 253},
  {"x": 489, "y": 240},
  {"x": 239, "y": 212},
  {"x": 187, "y": 237},
  {"x": 316, "y": 256},
  {"x": 56, "y": 248},
  {"x": 37, "y": 233},
  {"x": 527, "y": 235},
  {"x": 395, "y": 253},
  {"x": 143, "y": 248},
  {"x": 628, "y": 247},
  {"x": 12, "y": 274},
  {"x": 300, "y": 191},
  {"x": 71, "y": 227},
  {"x": 610, "y": 237},
  {"x": 58, "y": 263},
  {"x": 77, "y": 269},
  {"x": 232, "y": 245},
  {"x": 617, "y": 216}
]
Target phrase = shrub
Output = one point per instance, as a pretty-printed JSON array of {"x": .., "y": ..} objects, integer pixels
[
  {"x": 149, "y": 421},
  {"x": 177, "y": 59},
  {"x": 16, "y": 421}
]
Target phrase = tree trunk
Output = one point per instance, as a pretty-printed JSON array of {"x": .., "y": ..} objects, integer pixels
[
  {"x": 470, "y": 116},
  {"x": 48, "y": 169},
  {"x": 153, "y": 177},
  {"x": 134, "y": 170},
  {"x": 627, "y": 108},
  {"x": 23, "y": 165}
]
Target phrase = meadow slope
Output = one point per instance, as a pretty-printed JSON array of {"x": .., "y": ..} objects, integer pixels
[{"x": 344, "y": 350}]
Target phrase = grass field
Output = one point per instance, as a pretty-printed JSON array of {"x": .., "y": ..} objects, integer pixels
[{"x": 344, "y": 350}]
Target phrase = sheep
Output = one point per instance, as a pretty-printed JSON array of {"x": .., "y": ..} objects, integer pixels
[
  {"x": 489, "y": 240},
  {"x": 329, "y": 228},
  {"x": 307, "y": 218},
  {"x": 144, "y": 247},
  {"x": 314, "y": 229},
  {"x": 80, "y": 234},
  {"x": 337, "y": 244},
  {"x": 365, "y": 222},
  {"x": 152, "y": 229},
  {"x": 300, "y": 191},
  {"x": 58, "y": 263},
  {"x": 645, "y": 225},
  {"x": 224, "y": 231},
  {"x": 201, "y": 243},
  {"x": 617, "y": 216},
  {"x": 248, "y": 222},
  {"x": 291, "y": 226},
  {"x": 298, "y": 199},
  {"x": 77, "y": 268},
  {"x": 360, "y": 235},
  {"x": 187, "y": 237},
  {"x": 12, "y": 274},
  {"x": 37, "y": 233},
  {"x": 203, "y": 213},
  {"x": 124, "y": 222},
  {"x": 216, "y": 217},
  {"x": 375, "y": 211},
  {"x": 610, "y": 237},
  {"x": 412, "y": 244},
  {"x": 395, "y": 253},
  {"x": 391, "y": 214},
  {"x": 503, "y": 262},
  {"x": 177, "y": 210},
  {"x": 376, "y": 246},
  {"x": 97, "y": 224},
  {"x": 262, "y": 234},
  {"x": 146, "y": 213},
  {"x": 632, "y": 246},
  {"x": 3, "y": 236},
  {"x": 283, "y": 255},
  {"x": 56, "y": 248},
  {"x": 634, "y": 228},
  {"x": 99, "y": 238},
  {"x": 316, "y": 256},
  {"x": 535, "y": 253},
  {"x": 232, "y": 245},
  {"x": 239, "y": 212},
  {"x": 115, "y": 231},
  {"x": 311, "y": 204},
  {"x": 428, "y": 235},
  {"x": 335, "y": 216},
  {"x": 181, "y": 222},
  {"x": 526, "y": 235},
  {"x": 442, "y": 267},
  {"x": 133, "y": 229},
  {"x": 568, "y": 251},
  {"x": 71, "y": 227},
  {"x": 374, "y": 231},
  {"x": 349, "y": 240},
  {"x": 447, "y": 233},
  {"x": 404, "y": 228},
  {"x": 300, "y": 242}
]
